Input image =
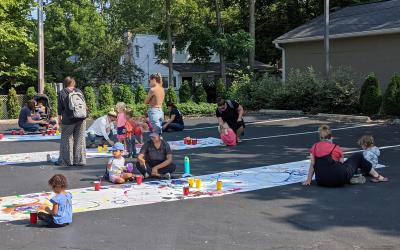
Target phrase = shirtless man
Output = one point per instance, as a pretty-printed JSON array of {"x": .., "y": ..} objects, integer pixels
[{"x": 155, "y": 99}]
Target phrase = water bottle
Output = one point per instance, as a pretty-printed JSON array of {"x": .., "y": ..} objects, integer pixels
[{"x": 186, "y": 164}]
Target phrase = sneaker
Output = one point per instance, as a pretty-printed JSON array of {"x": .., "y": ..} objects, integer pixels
[
  {"x": 359, "y": 179},
  {"x": 166, "y": 176}
]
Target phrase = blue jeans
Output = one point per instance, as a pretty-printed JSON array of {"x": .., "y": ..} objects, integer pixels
[
  {"x": 173, "y": 127},
  {"x": 30, "y": 127},
  {"x": 97, "y": 139},
  {"x": 156, "y": 117}
]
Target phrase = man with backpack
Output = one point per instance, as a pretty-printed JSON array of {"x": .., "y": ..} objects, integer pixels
[
  {"x": 231, "y": 112},
  {"x": 72, "y": 113}
]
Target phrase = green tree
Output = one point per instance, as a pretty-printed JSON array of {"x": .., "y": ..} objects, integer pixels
[
  {"x": 50, "y": 91},
  {"x": 106, "y": 100},
  {"x": 90, "y": 98},
  {"x": 184, "y": 92},
  {"x": 391, "y": 98},
  {"x": 370, "y": 95},
  {"x": 200, "y": 94},
  {"x": 140, "y": 94},
  {"x": 17, "y": 45},
  {"x": 171, "y": 95},
  {"x": 220, "y": 89},
  {"x": 13, "y": 106},
  {"x": 30, "y": 93},
  {"x": 123, "y": 93}
]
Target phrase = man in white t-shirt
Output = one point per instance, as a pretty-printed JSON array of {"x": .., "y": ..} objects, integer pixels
[{"x": 101, "y": 131}]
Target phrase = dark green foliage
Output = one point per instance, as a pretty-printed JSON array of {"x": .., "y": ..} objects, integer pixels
[
  {"x": 140, "y": 94},
  {"x": 171, "y": 95},
  {"x": 220, "y": 90},
  {"x": 184, "y": 92},
  {"x": 106, "y": 100},
  {"x": 50, "y": 92},
  {"x": 13, "y": 106},
  {"x": 123, "y": 93},
  {"x": 391, "y": 98},
  {"x": 90, "y": 98},
  {"x": 200, "y": 94},
  {"x": 30, "y": 93},
  {"x": 370, "y": 96}
]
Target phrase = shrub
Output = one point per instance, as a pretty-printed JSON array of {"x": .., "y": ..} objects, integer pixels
[
  {"x": 123, "y": 93},
  {"x": 1, "y": 109},
  {"x": 140, "y": 94},
  {"x": 30, "y": 93},
  {"x": 184, "y": 92},
  {"x": 171, "y": 95},
  {"x": 90, "y": 97},
  {"x": 105, "y": 100},
  {"x": 13, "y": 106},
  {"x": 370, "y": 96},
  {"x": 191, "y": 108},
  {"x": 220, "y": 89},
  {"x": 50, "y": 92},
  {"x": 200, "y": 94},
  {"x": 391, "y": 98}
]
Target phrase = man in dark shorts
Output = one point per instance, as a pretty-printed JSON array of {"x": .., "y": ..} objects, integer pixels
[{"x": 231, "y": 112}]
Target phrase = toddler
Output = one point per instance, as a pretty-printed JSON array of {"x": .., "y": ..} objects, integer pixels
[
  {"x": 61, "y": 213},
  {"x": 121, "y": 121},
  {"x": 132, "y": 130},
  {"x": 371, "y": 152},
  {"x": 228, "y": 136},
  {"x": 117, "y": 171}
]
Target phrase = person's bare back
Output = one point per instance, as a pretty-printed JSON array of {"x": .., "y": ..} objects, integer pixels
[{"x": 155, "y": 97}]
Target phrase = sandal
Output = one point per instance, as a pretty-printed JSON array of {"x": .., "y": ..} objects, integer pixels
[{"x": 379, "y": 178}]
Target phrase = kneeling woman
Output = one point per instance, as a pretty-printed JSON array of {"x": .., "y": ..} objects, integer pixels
[
  {"x": 329, "y": 166},
  {"x": 175, "y": 121}
]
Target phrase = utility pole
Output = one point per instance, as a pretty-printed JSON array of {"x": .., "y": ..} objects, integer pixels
[
  {"x": 326, "y": 39},
  {"x": 170, "y": 56},
  {"x": 252, "y": 32},
  {"x": 220, "y": 32},
  {"x": 41, "y": 48}
]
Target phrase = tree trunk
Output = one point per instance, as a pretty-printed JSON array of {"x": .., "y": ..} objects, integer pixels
[
  {"x": 220, "y": 31},
  {"x": 169, "y": 38},
  {"x": 252, "y": 32}
]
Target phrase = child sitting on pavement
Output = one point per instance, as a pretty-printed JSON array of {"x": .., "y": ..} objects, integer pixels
[
  {"x": 228, "y": 136},
  {"x": 370, "y": 152},
  {"x": 117, "y": 171},
  {"x": 61, "y": 213}
]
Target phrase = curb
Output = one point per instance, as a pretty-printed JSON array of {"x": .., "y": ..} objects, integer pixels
[
  {"x": 9, "y": 122},
  {"x": 344, "y": 118}
]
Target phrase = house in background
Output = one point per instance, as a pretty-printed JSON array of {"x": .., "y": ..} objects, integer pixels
[
  {"x": 145, "y": 55},
  {"x": 364, "y": 37}
]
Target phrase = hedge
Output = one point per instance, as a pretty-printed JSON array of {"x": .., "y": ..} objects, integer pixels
[
  {"x": 391, "y": 98},
  {"x": 171, "y": 95},
  {"x": 140, "y": 94},
  {"x": 13, "y": 106},
  {"x": 90, "y": 97},
  {"x": 184, "y": 92},
  {"x": 123, "y": 93},
  {"x": 106, "y": 99},
  {"x": 370, "y": 96},
  {"x": 50, "y": 92},
  {"x": 30, "y": 93}
]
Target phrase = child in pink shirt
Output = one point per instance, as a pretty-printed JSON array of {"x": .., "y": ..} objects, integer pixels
[
  {"x": 121, "y": 121},
  {"x": 228, "y": 136}
]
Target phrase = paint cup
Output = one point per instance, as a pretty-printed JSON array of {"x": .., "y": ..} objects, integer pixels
[
  {"x": 97, "y": 185},
  {"x": 53, "y": 132},
  {"x": 33, "y": 217},
  {"x": 44, "y": 133},
  {"x": 190, "y": 182},
  {"x": 198, "y": 183},
  {"x": 13, "y": 132},
  {"x": 219, "y": 185},
  {"x": 1, "y": 136},
  {"x": 49, "y": 132},
  {"x": 57, "y": 132},
  {"x": 129, "y": 167},
  {"x": 99, "y": 149},
  {"x": 185, "y": 191},
  {"x": 139, "y": 179},
  {"x": 194, "y": 141},
  {"x": 21, "y": 132},
  {"x": 185, "y": 141},
  {"x": 105, "y": 148}
]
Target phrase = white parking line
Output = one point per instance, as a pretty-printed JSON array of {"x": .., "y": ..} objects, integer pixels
[
  {"x": 308, "y": 132},
  {"x": 249, "y": 123},
  {"x": 381, "y": 148}
]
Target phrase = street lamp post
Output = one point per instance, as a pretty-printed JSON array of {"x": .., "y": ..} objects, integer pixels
[
  {"x": 41, "y": 48},
  {"x": 326, "y": 38}
]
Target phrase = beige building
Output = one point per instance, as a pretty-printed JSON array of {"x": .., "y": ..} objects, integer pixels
[{"x": 365, "y": 38}]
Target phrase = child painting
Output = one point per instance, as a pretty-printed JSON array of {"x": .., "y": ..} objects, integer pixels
[
  {"x": 228, "y": 136},
  {"x": 117, "y": 171},
  {"x": 60, "y": 214}
]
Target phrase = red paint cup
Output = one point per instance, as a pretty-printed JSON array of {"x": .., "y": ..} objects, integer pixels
[
  {"x": 21, "y": 132},
  {"x": 194, "y": 141},
  {"x": 96, "y": 186},
  {"x": 139, "y": 179},
  {"x": 185, "y": 191},
  {"x": 48, "y": 132},
  {"x": 185, "y": 141},
  {"x": 44, "y": 133},
  {"x": 13, "y": 132},
  {"x": 33, "y": 218},
  {"x": 1, "y": 136}
]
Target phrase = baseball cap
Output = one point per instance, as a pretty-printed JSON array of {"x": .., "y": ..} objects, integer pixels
[
  {"x": 118, "y": 146},
  {"x": 112, "y": 113}
]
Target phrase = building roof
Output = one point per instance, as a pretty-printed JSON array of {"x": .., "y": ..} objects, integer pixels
[
  {"x": 353, "y": 21},
  {"x": 209, "y": 68}
]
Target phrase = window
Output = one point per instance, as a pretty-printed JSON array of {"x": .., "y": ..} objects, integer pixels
[
  {"x": 137, "y": 50},
  {"x": 157, "y": 49},
  {"x": 166, "y": 83}
]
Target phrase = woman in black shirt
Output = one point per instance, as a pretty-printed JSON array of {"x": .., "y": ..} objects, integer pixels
[{"x": 175, "y": 121}]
